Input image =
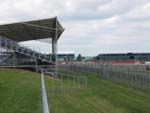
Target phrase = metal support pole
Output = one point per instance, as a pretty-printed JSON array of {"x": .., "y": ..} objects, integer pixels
[
  {"x": 36, "y": 65},
  {"x": 54, "y": 50},
  {"x": 14, "y": 59}
]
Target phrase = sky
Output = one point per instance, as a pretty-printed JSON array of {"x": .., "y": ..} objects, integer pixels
[{"x": 91, "y": 26}]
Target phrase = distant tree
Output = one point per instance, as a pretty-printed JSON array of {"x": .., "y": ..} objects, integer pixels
[
  {"x": 68, "y": 58},
  {"x": 97, "y": 58},
  {"x": 131, "y": 56},
  {"x": 79, "y": 57}
]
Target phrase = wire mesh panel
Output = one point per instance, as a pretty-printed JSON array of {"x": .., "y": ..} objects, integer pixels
[
  {"x": 139, "y": 79},
  {"x": 66, "y": 83},
  {"x": 135, "y": 76}
]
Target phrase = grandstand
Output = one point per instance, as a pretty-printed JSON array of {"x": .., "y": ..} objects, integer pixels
[
  {"x": 124, "y": 57},
  {"x": 13, "y": 54}
]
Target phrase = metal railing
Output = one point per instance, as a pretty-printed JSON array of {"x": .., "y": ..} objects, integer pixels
[
  {"x": 44, "y": 95},
  {"x": 13, "y": 45}
]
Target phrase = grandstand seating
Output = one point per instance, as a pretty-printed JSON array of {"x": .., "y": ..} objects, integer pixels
[{"x": 12, "y": 45}]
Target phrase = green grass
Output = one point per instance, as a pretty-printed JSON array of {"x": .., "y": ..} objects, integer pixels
[
  {"x": 100, "y": 97},
  {"x": 20, "y": 92}
]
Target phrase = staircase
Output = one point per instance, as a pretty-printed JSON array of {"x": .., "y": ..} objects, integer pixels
[
  {"x": 4, "y": 59},
  {"x": 16, "y": 47}
]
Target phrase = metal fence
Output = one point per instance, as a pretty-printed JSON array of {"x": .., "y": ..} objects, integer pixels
[
  {"x": 88, "y": 67},
  {"x": 63, "y": 84},
  {"x": 66, "y": 83},
  {"x": 136, "y": 76},
  {"x": 44, "y": 95}
]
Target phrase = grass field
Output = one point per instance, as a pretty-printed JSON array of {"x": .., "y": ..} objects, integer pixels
[
  {"x": 101, "y": 97},
  {"x": 20, "y": 92}
]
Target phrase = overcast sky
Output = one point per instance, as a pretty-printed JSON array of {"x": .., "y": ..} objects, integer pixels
[{"x": 91, "y": 26}]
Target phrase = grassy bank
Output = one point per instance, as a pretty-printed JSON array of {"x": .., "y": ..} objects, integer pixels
[
  {"x": 100, "y": 97},
  {"x": 20, "y": 92}
]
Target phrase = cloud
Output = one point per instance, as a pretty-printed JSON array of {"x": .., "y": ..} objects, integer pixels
[
  {"x": 91, "y": 26},
  {"x": 138, "y": 14}
]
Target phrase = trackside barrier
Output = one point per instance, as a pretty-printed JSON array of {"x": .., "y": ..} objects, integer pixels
[
  {"x": 68, "y": 83},
  {"x": 136, "y": 76}
]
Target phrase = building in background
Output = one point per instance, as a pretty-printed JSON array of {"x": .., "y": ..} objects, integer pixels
[
  {"x": 66, "y": 56},
  {"x": 124, "y": 58}
]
